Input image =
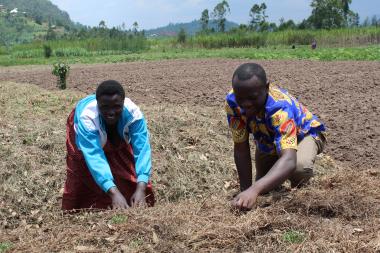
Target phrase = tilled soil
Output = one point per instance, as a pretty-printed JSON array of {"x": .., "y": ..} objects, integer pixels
[{"x": 345, "y": 95}]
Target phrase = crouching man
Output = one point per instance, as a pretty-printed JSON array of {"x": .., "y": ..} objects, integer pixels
[{"x": 287, "y": 136}]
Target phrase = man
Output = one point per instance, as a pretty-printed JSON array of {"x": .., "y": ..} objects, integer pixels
[
  {"x": 287, "y": 136},
  {"x": 108, "y": 152}
]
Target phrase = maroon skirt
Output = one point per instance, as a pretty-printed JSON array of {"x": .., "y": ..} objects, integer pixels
[{"x": 80, "y": 189}]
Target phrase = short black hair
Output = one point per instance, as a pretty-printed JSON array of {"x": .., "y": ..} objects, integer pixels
[
  {"x": 247, "y": 70},
  {"x": 110, "y": 87}
]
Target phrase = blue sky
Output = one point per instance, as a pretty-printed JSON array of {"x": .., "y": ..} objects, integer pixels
[{"x": 154, "y": 13}]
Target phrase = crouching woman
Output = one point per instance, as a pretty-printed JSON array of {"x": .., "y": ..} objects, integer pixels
[{"x": 108, "y": 153}]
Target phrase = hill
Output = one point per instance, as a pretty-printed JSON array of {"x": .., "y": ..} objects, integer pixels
[
  {"x": 40, "y": 11},
  {"x": 19, "y": 30},
  {"x": 25, "y": 20},
  {"x": 190, "y": 28}
]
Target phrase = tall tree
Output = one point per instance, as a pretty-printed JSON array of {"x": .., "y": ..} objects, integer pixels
[
  {"x": 366, "y": 22},
  {"x": 50, "y": 34},
  {"x": 346, "y": 7},
  {"x": 327, "y": 14},
  {"x": 181, "y": 36},
  {"x": 286, "y": 25},
  {"x": 102, "y": 24},
  {"x": 219, "y": 13},
  {"x": 258, "y": 17},
  {"x": 135, "y": 27},
  {"x": 205, "y": 18},
  {"x": 375, "y": 21},
  {"x": 353, "y": 20}
]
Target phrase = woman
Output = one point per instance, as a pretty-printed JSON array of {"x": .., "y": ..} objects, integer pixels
[{"x": 108, "y": 153}]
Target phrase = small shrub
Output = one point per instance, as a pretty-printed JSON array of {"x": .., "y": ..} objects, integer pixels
[
  {"x": 136, "y": 243},
  {"x": 61, "y": 70},
  {"x": 117, "y": 219},
  {"x": 5, "y": 246},
  {"x": 293, "y": 236},
  {"x": 47, "y": 51}
]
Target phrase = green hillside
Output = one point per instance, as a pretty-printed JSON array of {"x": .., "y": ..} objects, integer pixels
[
  {"x": 19, "y": 30},
  {"x": 31, "y": 21},
  {"x": 40, "y": 11},
  {"x": 190, "y": 28}
]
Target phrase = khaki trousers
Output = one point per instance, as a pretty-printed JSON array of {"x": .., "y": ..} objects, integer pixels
[{"x": 308, "y": 149}]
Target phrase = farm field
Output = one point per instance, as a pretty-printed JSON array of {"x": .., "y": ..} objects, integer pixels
[
  {"x": 194, "y": 174},
  {"x": 167, "y": 52}
]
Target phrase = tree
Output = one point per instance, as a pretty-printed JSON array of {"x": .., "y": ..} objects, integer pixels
[
  {"x": 286, "y": 25},
  {"x": 205, "y": 18},
  {"x": 219, "y": 13},
  {"x": 375, "y": 21},
  {"x": 181, "y": 36},
  {"x": 102, "y": 24},
  {"x": 272, "y": 27},
  {"x": 327, "y": 14},
  {"x": 353, "y": 20},
  {"x": 38, "y": 19},
  {"x": 366, "y": 22},
  {"x": 135, "y": 27},
  {"x": 346, "y": 7},
  {"x": 258, "y": 17},
  {"x": 50, "y": 34}
]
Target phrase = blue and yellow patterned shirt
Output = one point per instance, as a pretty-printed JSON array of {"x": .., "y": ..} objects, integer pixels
[{"x": 283, "y": 123}]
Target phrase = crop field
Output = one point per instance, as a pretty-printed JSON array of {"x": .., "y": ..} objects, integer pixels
[
  {"x": 78, "y": 55},
  {"x": 194, "y": 175}
]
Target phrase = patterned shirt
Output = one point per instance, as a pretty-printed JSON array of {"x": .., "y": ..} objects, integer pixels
[
  {"x": 283, "y": 123},
  {"x": 91, "y": 137}
]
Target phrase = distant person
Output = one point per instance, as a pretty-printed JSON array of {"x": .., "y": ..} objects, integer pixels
[
  {"x": 287, "y": 136},
  {"x": 314, "y": 44},
  {"x": 108, "y": 153}
]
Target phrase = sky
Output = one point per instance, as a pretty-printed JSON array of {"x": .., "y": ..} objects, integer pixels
[{"x": 156, "y": 13}]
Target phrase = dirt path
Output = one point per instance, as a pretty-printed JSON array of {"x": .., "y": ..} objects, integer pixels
[{"x": 346, "y": 95}]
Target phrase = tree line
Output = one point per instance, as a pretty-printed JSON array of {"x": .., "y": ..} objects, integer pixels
[{"x": 326, "y": 14}]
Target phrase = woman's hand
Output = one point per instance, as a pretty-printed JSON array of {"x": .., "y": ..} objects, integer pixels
[
  {"x": 118, "y": 200},
  {"x": 138, "y": 198}
]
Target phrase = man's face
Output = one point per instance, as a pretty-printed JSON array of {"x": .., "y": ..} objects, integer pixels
[
  {"x": 110, "y": 107},
  {"x": 250, "y": 95}
]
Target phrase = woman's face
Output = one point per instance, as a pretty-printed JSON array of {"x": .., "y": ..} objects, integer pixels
[{"x": 111, "y": 107}]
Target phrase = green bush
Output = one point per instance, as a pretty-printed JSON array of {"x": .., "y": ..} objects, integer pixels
[
  {"x": 47, "y": 51},
  {"x": 181, "y": 37},
  {"x": 61, "y": 70}
]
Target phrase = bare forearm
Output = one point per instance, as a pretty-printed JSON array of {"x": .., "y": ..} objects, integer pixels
[
  {"x": 280, "y": 171},
  {"x": 244, "y": 167}
]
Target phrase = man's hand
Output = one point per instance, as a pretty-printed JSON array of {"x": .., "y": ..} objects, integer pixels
[
  {"x": 245, "y": 200},
  {"x": 138, "y": 198},
  {"x": 118, "y": 200}
]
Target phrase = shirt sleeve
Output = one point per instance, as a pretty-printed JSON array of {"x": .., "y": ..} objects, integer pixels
[
  {"x": 139, "y": 139},
  {"x": 285, "y": 129},
  {"x": 237, "y": 125},
  {"x": 89, "y": 143}
]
